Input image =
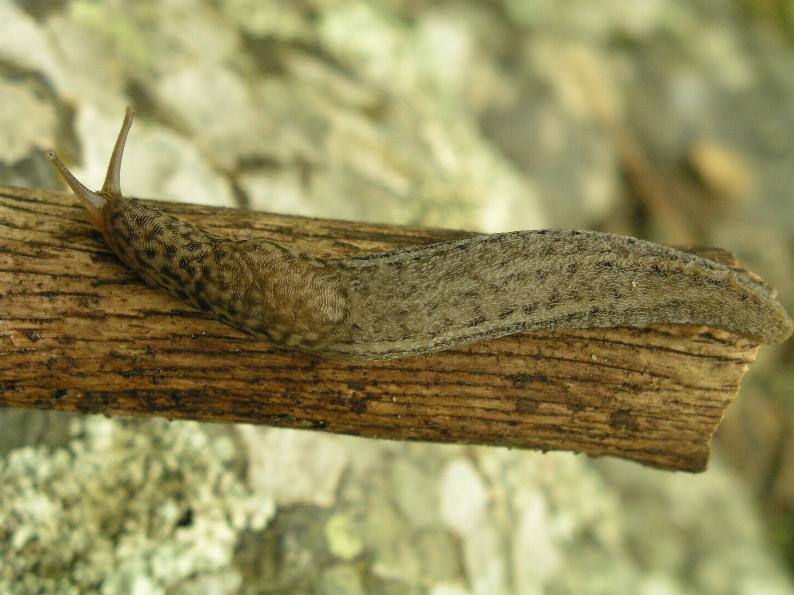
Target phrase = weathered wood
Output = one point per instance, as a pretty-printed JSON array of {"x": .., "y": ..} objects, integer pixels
[{"x": 79, "y": 333}]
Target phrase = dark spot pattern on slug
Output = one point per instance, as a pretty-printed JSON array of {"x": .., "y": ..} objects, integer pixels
[
  {"x": 169, "y": 272},
  {"x": 299, "y": 295},
  {"x": 185, "y": 265}
]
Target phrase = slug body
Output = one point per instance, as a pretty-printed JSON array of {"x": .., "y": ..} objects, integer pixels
[{"x": 428, "y": 298}]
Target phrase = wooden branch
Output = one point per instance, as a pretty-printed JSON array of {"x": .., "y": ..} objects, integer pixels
[{"x": 79, "y": 333}]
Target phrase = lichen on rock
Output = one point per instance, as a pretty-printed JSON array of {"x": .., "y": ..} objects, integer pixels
[{"x": 132, "y": 506}]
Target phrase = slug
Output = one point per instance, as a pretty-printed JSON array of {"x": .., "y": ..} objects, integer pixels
[{"x": 428, "y": 298}]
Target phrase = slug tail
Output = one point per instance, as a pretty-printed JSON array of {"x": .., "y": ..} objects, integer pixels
[
  {"x": 93, "y": 202},
  {"x": 112, "y": 183},
  {"x": 436, "y": 297}
]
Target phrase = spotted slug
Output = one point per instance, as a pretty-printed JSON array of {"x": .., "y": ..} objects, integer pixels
[{"x": 428, "y": 298}]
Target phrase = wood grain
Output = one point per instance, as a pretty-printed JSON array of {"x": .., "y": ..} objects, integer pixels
[{"x": 79, "y": 333}]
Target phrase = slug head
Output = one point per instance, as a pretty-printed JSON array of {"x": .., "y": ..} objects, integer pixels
[{"x": 95, "y": 202}]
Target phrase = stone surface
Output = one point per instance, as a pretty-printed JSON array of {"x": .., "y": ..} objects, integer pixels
[
  {"x": 292, "y": 466},
  {"x": 19, "y": 137}
]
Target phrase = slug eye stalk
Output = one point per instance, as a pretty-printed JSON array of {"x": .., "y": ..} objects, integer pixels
[{"x": 95, "y": 202}]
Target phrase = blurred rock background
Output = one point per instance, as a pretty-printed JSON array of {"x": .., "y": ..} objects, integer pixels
[{"x": 662, "y": 119}]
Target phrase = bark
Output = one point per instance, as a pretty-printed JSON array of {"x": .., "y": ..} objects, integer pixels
[{"x": 80, "y": 333}]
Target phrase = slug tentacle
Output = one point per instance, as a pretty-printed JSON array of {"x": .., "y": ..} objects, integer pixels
[
  {"x": 112, "y": 183},
  {"x": 428, "y": 298},
  {"x": 93, "y": 202}
]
